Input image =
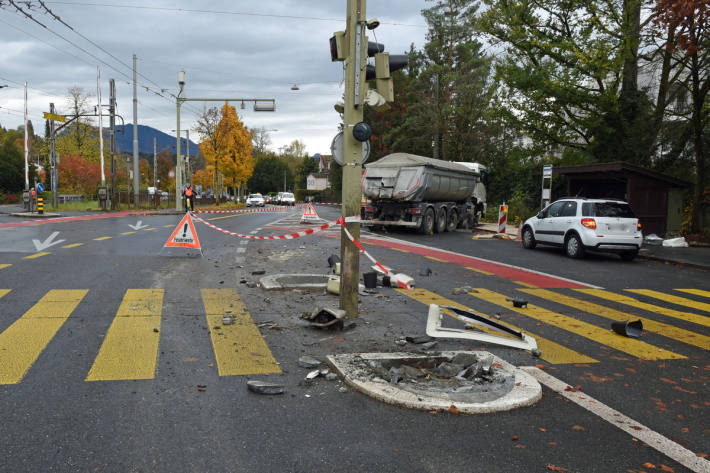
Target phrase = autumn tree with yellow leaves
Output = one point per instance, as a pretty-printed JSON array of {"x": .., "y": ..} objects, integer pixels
[{"x": 226, "y": 145}]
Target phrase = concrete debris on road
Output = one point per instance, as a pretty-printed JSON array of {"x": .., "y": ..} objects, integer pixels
[
  {"x": 313, "y": 374},
  {"x": 262, "y": 387},
  {"x": 308, "y": 362}
]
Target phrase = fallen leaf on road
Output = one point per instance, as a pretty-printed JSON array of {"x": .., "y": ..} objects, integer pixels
[
  {"x": 433, "y": 411},
  {"x": 577, "y": 427},
  {"x": 540, "y": 367},
  {"x": 514, "y": 438},
  {"x": 542, "y": 429},
  {"x": 552, "y": 444},
  {"x": 685, "y": 430},
  {"x": 338, "y": 339},
  {"x": 701, "y": 455},
  {"x": 520, "y": 445},
  {"x": 636, "y": 427},
  {"x": 556, "y": 468},
  {"x": 453, "y": 409},
  {"x": 649, "y": 465},
  {"x": 666, "y": 468},
  {"x": 190, "y": 359},
  {"x": 666, "y": 380}
]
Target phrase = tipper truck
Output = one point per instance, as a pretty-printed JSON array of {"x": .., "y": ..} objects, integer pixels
[{"x": 428, "y": 194}]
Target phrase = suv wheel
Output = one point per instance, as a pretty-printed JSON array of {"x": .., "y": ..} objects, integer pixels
[
  {"x": 629, "y": 255},
  {"x": 528, "y": 238},
  {"x": 573, "y": 246}
]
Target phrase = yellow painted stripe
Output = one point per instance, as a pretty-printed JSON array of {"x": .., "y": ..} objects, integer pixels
[
  {"x": 604, "y": 336},
  {"x": 3, "y": 266},
  {"x": 128, "y": 233},
  {"x": 150, "y": 229},
  {"x": 525, "y": 284},
  {"x": 23, "y": 341},
  {"x": 72, "y": 245},
  {"x": 400, "y": 250},
  {"x": 168, "y": 226},
  {"x": 3, "y": 292},
  {"x": 621, "y": 299},
  {"x": 479, "y": 271},
  {"x": 130, "y": 348},
  {"x": 103, "y": 238},
  {"x": 672, "y": 299},
  {"x": 37, "y": 255},
  {"x": 667, "y": 330},
  {"x": 239, "y": 348},
  {"x": 551, "y": 352},
  {"x": 436, "y": 259},
  {"x": 226, "y": 216},
  {"x": 697, "y": 292}
]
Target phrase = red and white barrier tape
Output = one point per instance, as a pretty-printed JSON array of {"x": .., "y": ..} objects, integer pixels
[
  {"x": 289, "y": 236},
  {"x": 237, "y": 211},
  {"x": 363, "y": 251}
]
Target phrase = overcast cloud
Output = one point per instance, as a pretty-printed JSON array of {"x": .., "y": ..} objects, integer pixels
[{"x": 234, "y": 48}]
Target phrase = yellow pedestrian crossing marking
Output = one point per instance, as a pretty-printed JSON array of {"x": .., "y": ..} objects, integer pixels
[
  {"x": 23, "y": 341},
  {"x": 130, "y": 348},
  {"x": 667, "y": 330},
  {"x": 72, "y": 245},
  {"x": 3, "y": 292},
  {"x": 128, "y": 233},
  {"x": 621, "y": 299},
  {"x": 697, "y": 292},
  {"x": 3, "y": 266},
  {"x": 633, "y": 347},
  {"x": 37, "y": 255},
  {"x": 150, "y": 229},
  {"x": 239, "y": 348},
  {"x": 436, "y": 259},
  {"x": 479, "y": 271},
  {"x": 168, "y": 226},
  {"x": 103, "y": 238},
  {"x": 672, "y": 299},
  {"x": 551, "y": 352}
]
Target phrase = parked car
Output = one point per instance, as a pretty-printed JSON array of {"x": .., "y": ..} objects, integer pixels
[
  {"x": 278, "y": 198},
  {"x": 287, "y": 198},
  {"x": 579, "y": 224},
  {"x": 256, "y": 200}
]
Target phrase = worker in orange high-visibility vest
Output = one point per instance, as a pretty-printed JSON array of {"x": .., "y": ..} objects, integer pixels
[{"x": 188, "y": 195}]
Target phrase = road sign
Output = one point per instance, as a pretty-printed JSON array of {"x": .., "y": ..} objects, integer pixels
[
  {"x": 184, "y": 235},
  {"x": 54, "y": 117},
  {"x": 337, "y": 145},
  {"x": 40, "y": 187},
  {"x": 547, "y": 171}
]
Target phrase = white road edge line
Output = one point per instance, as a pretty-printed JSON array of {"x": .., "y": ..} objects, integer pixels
[
  {"x": 652, "y": 438},
  {"x": 241, "y": 249},
  {"x": 405, "y": 242}
]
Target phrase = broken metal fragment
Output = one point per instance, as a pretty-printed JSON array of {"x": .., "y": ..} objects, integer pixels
[
  {"x": 631, "y": 329},
  {"x": 325, "y": 317}
]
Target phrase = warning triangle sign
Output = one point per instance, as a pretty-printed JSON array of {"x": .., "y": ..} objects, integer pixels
[
  {"x": 184, "y": 235},
  {"x": 309, "y": 213}
]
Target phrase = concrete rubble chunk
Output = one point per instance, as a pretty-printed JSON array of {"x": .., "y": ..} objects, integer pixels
[
  {"x": 262, "y": 387},
  {"x": 464, "y": 359},
  {"x": 429, "y": 346},
  {"x": 448, "y": 369},
  {"x": 331, "y": 376},
  {"x": 308, "y": 362},
  {"x": 313, "y": 374}
]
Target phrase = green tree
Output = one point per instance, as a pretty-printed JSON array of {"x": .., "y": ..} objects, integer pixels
[
  {"x": 269, "y": 175},
  {"x": 305, "y": 167}
]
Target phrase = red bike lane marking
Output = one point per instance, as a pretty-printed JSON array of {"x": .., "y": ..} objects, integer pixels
[
  {"x": 68, "y": 219},
  {"x": 513, "y": 273}
]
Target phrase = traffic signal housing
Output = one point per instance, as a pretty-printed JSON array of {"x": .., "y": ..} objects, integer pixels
[
  {"x": 338, "y": 46},
  {"x": 385, "y": 65}
]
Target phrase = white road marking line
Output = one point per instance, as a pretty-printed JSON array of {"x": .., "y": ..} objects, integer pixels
[
  {"x": 652, "y": 438},
  {"x": 241, "y": 250},
  {"x": 244, "y": 242}
]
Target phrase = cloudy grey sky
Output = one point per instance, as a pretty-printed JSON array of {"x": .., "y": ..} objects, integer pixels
[{"x": 227, "y": 48}]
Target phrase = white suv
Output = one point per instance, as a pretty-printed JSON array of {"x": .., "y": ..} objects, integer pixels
[
  {"x": 580, "y": 224},
  {"x": 287, "y": 198},
  {"x": 257, "y": 200}
]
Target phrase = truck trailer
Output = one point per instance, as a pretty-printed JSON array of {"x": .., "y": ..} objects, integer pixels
[{"x": 424, "y": 193}]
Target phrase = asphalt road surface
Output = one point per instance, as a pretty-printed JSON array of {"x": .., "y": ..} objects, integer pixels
[{"x": 113, "y": 357}]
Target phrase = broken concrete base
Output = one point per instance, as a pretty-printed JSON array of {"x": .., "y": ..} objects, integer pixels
[{"x": 508, "y": 389}]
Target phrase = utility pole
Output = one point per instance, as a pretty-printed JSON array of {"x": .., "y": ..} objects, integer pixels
[
  {"x": 113, "y": 150},
  {"x": 355, "y": 88},
  {"x": 101, "y": 125},
  {"x": 178, "y": 167},
  {"x": 27, "y": 168},
  {"x": 53, "y": 159},
  {"x": 135, "y": 134},
  {"x": 155, "y": 164},
  {"x": 188, "y": 174}
]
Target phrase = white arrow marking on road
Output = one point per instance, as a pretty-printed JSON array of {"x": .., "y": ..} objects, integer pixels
[
  {"x": 41, "y": 245},
  {"x": 138, "y": 225}
]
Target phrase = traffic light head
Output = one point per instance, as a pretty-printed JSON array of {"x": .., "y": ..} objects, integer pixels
[
  {"x": 385, "y": 65},
  {"x": 338, "y": 46}
]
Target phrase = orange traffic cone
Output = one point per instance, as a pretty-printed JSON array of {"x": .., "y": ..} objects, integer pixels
[{"x": 519, "y": 236}]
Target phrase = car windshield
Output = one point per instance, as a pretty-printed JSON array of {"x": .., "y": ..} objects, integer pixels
[
  {"x": 607, "y": 209},
  {"x": 289, "y": 195}
]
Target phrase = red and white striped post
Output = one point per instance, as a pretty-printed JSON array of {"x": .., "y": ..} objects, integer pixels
[{"x": 502, "y": 217}]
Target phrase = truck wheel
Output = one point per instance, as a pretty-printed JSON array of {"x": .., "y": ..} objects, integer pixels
[
  {"x": 441, "y": 221},
  {"x": 452, "y": 220},
  {"x": 427, "y": 225}
]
